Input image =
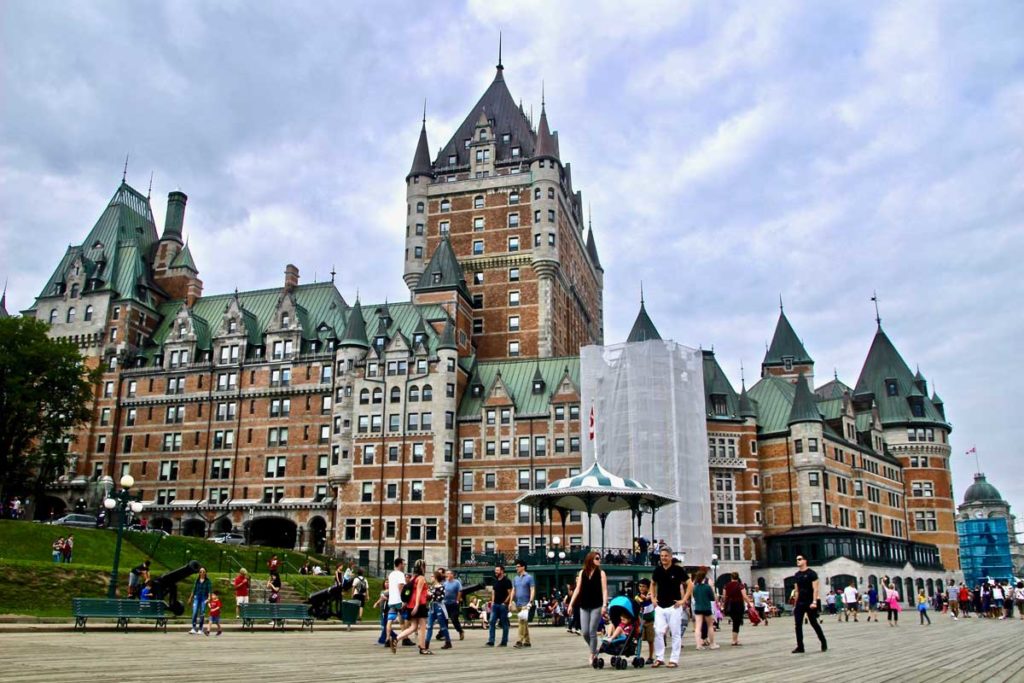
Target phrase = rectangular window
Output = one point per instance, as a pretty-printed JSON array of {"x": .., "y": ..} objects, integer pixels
[
  {"x": 524, "y": 480},
  {"x": 513, "y": 275},
  {"x": 816, "y": 513},
  {"x": 524, "y": 514},
  {"x": 513, "y": 298},
  {"x": 416, "y": 490},
  {"x": 275, "y": 467},
  {"x": 478, "y": 247},
  {"x": 540, "y": 446},
  {"x": 513, "y": 323},
  {"x": 814, "y": 478},
  {"x": 366, "y": 494},
  {"x": 467, "y": 449},
  {"x": 467, "y": 513},
  {"x": 513, "y": 349},
  {"x": 513, "y": 243},
  {"x": 524, "y": 447},
  {"x": 490, "y": 480},
  {"x": 467, "y": 481}
]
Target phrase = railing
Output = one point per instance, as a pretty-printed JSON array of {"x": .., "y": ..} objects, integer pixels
[
  {"x": 573, "y": 555},
  {"x": 291, "y": 569}
]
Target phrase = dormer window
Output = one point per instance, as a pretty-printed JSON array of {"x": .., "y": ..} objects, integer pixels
[
  {"x": 380, "y": 341},
  {"x": 719, "y": 406},
  {"x": 477, "y": 391},
  {"x": 787, "y": 363},
  {"x": 452, "y": 159},
  {"x": 285, "y": 319},
  {"x": 467, "y": 141},
  {"x": 515, "y": 152},
  {"x": 436, "y": 278},
  {"x": 182, "y": 330},
  {"x": 538, "y": 386},
  {"x": 506, "y": 138},
  {"x": 916, "y": 406},
  {"x": 418, "y": 338},
  {"x": 74, "y": 291},
  {"x": 891, "y": 388},
  {"x": 483, "y": 135},
  {"x": 232, "y": 326}
]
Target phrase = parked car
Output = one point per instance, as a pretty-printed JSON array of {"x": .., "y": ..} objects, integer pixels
[
  {"x": 229, "y": 539},
  {"x": 76, "y": 520}
]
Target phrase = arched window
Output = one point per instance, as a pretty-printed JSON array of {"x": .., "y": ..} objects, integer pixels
[
  {"x": 71, "y": 314},
  {"x": 396, "y": 395},
  {"x": 88, "y": 314},
  {"x": 378, "y": 395},
  {"x": 478, "y": 202},
  {"x": 74, "y": 291},
  {"x": 428, "y": 392},
  {"x": 364, "y": 397},
  {"x": 53, "y": 316},
  {"x": 513, "y": 197},
  {"x": 414, "y": 393},
  {"x": 551, "y": 193},
  {"x": 536, "y": 193},
  {"x": 446, "y": 206}
]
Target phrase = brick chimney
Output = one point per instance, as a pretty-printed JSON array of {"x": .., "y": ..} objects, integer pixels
[{"x": 291, "y": 277}]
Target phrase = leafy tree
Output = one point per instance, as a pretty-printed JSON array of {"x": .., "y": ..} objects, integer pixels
[{"x": 46, "y": 391}]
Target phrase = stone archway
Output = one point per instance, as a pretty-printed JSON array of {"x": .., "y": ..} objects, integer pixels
[
  {"x": 224, "y": 525},
  {"x": 162, "y": 523},
  {"x": 276, "y": 532},
  {"x": 317, "y": 536},
  {"x": 50, "y": 507},
  {"x": 193, "y": 527},
  {"x": 908, "y": 592}
]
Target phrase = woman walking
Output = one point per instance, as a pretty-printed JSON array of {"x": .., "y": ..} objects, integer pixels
[
  {"x": 703, "y": 597},
  {"x": 590, "y": 597},
  {"x": 892, "y": 597},
  {"x": 417, "y": 606},
  {"x": 200, "y": 594},
  {"x": 735, "y": 607}
]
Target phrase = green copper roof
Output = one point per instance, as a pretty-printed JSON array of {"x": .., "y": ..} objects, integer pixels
[
  {"x": 785, "y": 344},
  {"x": 746, "y": 406},
  {"x": 804, "y": 407},
  {"x": 443, "y": 272},
  {"x": 518, "y": 377},
  {"x": 643, "y": 329},
  {"x": 884, "y": 365},
  {"x": 981, "y": 491},
  {"x": 715, "y": 382},
  {"x": 355, "y": 329},
  {"x": 832, "y": 389},
  {"x": 448, "y": 337},
  {"x": 774, "y": 397},
  {"x": 184, "y": 259}
]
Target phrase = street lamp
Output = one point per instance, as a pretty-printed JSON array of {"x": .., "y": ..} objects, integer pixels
[
  {"x": 714, "y": 567},
  {"x": 557, "y": 555},
  {"x": 121, "y": 501}
]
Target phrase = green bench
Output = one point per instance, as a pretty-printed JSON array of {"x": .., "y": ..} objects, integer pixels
[
  {"x": 276, "y": 613},
  {"x": 122, "y": 610}
]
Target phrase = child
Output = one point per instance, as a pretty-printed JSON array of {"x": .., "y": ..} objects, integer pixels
[
  {"x": 922, "y": 608},
  {"x": 147, "y": 591},
  {"x": 214, "y": 604},
  {"x": 386, "y": 616},
  {"x": 646, "y": 611}
]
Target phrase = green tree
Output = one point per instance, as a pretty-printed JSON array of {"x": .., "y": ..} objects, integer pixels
[{"x": 46, "y": 391}]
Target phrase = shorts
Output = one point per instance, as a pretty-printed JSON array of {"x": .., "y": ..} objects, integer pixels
[
  {"x": 214, "y": 619},
  {"x": 361, "y": 598},
  {"x": 852, "y": 606},
  {"x": 241, "y": 599},
  {"x": 419, "y": 613},
  {"x": 703, "y": 612},
  {"x": 647, "y": 632},
  {"x": 393, "y": 611}
]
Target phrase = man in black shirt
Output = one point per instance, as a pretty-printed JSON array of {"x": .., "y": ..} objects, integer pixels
[
  {"x": 670, "y": 601},
  {"x": 808, "y": 603},
  {"x": 500, "y": 598}
]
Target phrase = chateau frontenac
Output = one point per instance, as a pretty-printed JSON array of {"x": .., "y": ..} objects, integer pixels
[{"x": 302, "y": 418}]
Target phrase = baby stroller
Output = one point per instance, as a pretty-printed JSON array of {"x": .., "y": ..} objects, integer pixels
[{"x": 625, "y": 647}]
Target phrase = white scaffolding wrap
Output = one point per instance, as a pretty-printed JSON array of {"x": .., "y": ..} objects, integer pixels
[{"x": 649, "y": 424}]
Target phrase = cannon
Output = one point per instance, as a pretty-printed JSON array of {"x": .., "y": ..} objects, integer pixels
[
  {"x": 165, "y": 587},
  {"x": 323, "y": 604}
]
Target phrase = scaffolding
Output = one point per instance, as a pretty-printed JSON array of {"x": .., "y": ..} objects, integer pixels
[{"x": 647, "y": 402}]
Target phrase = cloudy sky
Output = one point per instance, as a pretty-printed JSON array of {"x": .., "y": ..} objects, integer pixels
[{"x": 732, "y": 152}]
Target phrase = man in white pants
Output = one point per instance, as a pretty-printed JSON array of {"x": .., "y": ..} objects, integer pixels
[{"x": 671, "y": 589}]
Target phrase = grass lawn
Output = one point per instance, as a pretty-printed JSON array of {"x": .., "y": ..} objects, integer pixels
[{"x": 31, "y": 541}]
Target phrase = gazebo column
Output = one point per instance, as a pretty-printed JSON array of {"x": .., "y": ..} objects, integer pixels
[
  {"x": 563, "y": 513},
  {"x": 590, "y": 519},
  {"x": 603, "y": 517}
]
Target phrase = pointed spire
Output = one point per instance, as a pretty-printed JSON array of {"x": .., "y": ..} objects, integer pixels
[
  {"x": 3, "y": 302},
  {"x": 804, "y": 407},
  {"x": 643, "y": 329},
  {"x": 443, "y": 271},
  {"x": 780, "y": 302},
  {"x": 355, "y": 330},
  {"x": 421, "y": 165},
  {"x": 500, "y": 66},
  {"x": 785, "y": 343},
  {"x": 746, "y": 407},
  {"x": 878, "y": 317},
  {"x": 124, "y": 174},
  {"x": 546, "y": 148},
  {"x": 592, "y": 250},
  {"x": 149, "y": 192},
  {"x": 448, "y": 337}
]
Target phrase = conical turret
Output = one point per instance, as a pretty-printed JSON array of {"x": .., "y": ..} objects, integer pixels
[
  {"x": 355, "y": 330},
  {"x": 804, "y": 407},
  {"x": 421, "y": 165}
]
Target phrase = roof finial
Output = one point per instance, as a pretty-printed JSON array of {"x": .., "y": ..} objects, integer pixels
[
  {"x": 332, "y": 274},
  {"x": 878, "y": 318},
  {"x": 835, "y": 374},
  {"x": 499, "y": 51},
  {"x": 641, "y": 292},
  {"x": 424, "y": 112},
  {"x": 124, "y": 174},
  {"x": 542, "y": 95},
  {"x": 149, "y": 192},
  {"x": 743, "y": 380},
  {"x": 590, "y": 217},
  {"x": 780, "y": 301}
]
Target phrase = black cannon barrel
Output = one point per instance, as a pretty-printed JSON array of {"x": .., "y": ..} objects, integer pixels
[
  {"x": 320, "y": 602},
  {"x": 165, "y": 587}
]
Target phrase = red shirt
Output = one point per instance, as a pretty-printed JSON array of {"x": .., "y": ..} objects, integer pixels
[
  {"x": 734, "y": 592},
  {"x": 214, "y": 607},
  {"x": 241, "y": 586}
]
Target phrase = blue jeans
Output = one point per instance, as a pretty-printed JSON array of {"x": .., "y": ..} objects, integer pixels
[
  {"x": 437, "y": 614},
  {"x": 198, "y": 612},
  {"x": 499, "y": 613}
]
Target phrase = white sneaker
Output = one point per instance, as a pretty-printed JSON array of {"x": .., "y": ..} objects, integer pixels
[{"x": 192, "y": 632}]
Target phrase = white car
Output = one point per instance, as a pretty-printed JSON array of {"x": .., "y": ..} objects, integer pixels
[{"x": 229, "y": 539}]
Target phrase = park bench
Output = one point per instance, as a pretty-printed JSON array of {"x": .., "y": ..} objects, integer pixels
[
  {"x": 276, "y": 613},
  {"x": 122, "y": 610}
]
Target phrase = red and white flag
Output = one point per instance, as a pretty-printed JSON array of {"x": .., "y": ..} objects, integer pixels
[
  {"x": 973, "y": 449},
  {"x": 591, "y": 423}
]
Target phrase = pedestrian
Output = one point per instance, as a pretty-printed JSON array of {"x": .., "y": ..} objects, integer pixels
[
  {"x": 892, "y": 597},
  {"x": 68, "y": 549},
  {"x": 501, "y": 598},
  {"x": 645, "y": 608},
  {"x": 964, "y": 600},
  {"x": 997, "y": 601},
  {"x": 57, "y": 549},
  {"x": 215, "y": 606},
  {"x": 360, "y": 590},
  {"x": 1019, "y": 598},
  {"x": 590, "y": 598},
  {"x": 137, "y": 577},
  {"x": 953, "y": 600},
  {"x": 147, "y": 591},
  {"x": 274, "y": 588},
  {"x": 436, "y": 612},
  {"x": 808, "y": 603},
  {"x": 922, "y": 608},
  {"x": 241, "y": 584},
  {"x": 850, "y": 599},
  {"x": 418, "y": 593},
  {"x": 703, "y": 597},
  {"x": 872, "y": 602},
  {"x": 452, "y": 601},
  {"x": 671, "y": 590},
  {"x": 524, "y": 591},
  {"x": 830, "y": 602},
  {"x": 273, "y": 564},
  {"x": 201, "y": 590},
  {"x": 385, "y": 616},
  {"x": 735, "y": 603},
  {"x": 761, "y": 598}
]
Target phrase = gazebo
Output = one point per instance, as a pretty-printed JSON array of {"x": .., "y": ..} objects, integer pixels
[{"x": 597, "y": 491}]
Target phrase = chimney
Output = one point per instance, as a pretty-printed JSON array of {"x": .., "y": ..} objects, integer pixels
[
  {"x": 291, "y": 277},
  {"x": 175, "y": 218}
]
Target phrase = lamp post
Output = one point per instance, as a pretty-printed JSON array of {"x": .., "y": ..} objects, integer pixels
[
  {"x": 121, "y": 501},
  {"x": 714, "y": 567},
  {"x": 558, "y": 556}
]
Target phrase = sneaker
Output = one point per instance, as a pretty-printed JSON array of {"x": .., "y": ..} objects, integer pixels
[
  {"x": 526, "y": 645},
  {"x": 192, "y": 632},
  {"x": 502, "y": 644},
  {"x": 518, "y": 645},
  {"x": 488, "y": 644},
  {"x": 824, "y": 647},
  {"x": 714, "y": 646},
  {"x": 218, "y": 634},
  {"x": 798, "y": 650},
  {"x": 447, "y": 645}
]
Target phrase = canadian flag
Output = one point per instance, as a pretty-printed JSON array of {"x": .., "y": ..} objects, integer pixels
[{"x": 591, "y": 423}]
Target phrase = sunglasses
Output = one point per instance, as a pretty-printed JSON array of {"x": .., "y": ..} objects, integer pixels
[{"x": 799, "y": 559}]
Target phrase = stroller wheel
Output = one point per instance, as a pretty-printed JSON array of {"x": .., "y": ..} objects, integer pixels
[
  {"x": 599, "y": 662},
  {"x": 637, "y": 662},
  {"x": 595, "y": 663},
  {"x": 614, "y": 661}
]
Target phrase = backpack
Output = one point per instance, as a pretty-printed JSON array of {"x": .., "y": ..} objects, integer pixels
[
  {"x": 358, "y": 586},
  {"x": 407, "y": 591}
]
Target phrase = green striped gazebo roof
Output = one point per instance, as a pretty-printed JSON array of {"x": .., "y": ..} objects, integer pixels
[{"x": 596, "y": 491}]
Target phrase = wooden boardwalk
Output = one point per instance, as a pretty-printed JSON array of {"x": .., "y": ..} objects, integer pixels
[{"x": 968, "y": 650}]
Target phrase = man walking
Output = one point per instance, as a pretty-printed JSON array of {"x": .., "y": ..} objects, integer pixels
[
  {"x": 452, "y": 600},
  {"x": 670, "y": 601},
  {"x": 501, "y": 598},
  {"x": 524, "y": 593},
  {"x": 953, "y": 598},
  {"x": 396, "y": 580},
  {"x": 808, "y": 603},
  {"x": 850, "y": 600}
]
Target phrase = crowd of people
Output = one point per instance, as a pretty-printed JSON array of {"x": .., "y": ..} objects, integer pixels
[{"x": 62, "y": 549}]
